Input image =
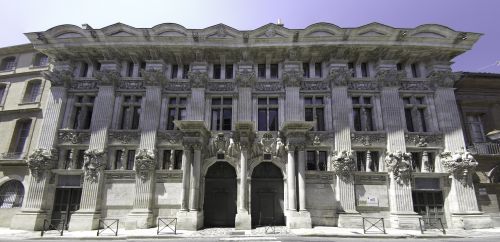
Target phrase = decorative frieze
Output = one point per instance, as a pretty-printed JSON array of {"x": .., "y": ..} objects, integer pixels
[
  {"x": 178, "y": 86},
  {"x": 389, "y": 77},
  {"x": 221, "y": 86},
  {"x": 268, "y": 86},
  {"x": 399, "y": 164},
  {"x": 363, "y": 85},
  {"x": 343, "y": 164},
  {"x": 369, "y": 178},
  {"x": 168, "y": 177},
  {"x": 122, "y": 175},
  {"x": 170, "y": 136},
  {"x": 317, "y": 138},
  {"x": 108, "y": 76},
  {"x": 94, "y": 163},
  {"x": 83, "y": 84},
  {"x": 153, "y": 77},
  {"x": 415, "y": 85},
  {"x": 424, "y": 140},
  {"x": 368, "y": 139},
  {"x": 314, "y": 86},
  {"x": 131, "y": 84},
  {"x": 145, "y": 163},
  {"x": 73, "y": 136},
  {"x": 460, "y": 164},
  {"x": 40, "y": 161},
  {"x": 124, "y": 137}
]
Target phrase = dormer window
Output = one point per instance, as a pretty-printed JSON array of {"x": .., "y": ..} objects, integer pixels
[
  {"x": 8, "y": 64},
  {"x": 41, "y": 60}
]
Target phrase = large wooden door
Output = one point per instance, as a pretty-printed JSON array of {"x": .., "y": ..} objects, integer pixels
[
  {"x": 429, "y": 204},
  {"x": 267, "y": 195},
  {"x": 220, "y": 196},
  {"x": 66, "y": 202}
]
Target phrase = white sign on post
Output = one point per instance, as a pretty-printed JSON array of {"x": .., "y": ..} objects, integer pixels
[{"x": 372, "y": 201}]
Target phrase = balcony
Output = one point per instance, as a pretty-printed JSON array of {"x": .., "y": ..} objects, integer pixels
[{"x": 485, "y": 148}]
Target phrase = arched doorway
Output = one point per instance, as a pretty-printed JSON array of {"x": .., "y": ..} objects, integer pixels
[
  {"x": 220, "y": 195},
  {"x": 267, "y": 195}
]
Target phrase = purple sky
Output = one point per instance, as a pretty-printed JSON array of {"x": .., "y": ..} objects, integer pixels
[{"x": 481, "y": 16}]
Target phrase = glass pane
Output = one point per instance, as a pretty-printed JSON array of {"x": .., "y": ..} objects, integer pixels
[
  {"x": 215, "y": 119},
  {"x": 318, "y": 100},
  {"x": 136, "y": 118},
  {"x": 406, "y": 100},
  {"x": 318, "y": 69},
  {"x": 182, "y": 114},
  {"x": 322, "y": 161},
  {"x": 309, "y": 114},
  {"x": 273, "y": 101},
  {"x": 421, "y": 113},
  {"x": 226, "y": 115},
  {"x": 311, "y": 160},
  {"x": 172, "y": 100},
  {"x": 227, "y": 101},
  {"x": 305, "y": 68},
  {"x": 409, "y": 121},
  {"x": 138, "y": 99},
  {"x": 367, "y": 100},
  {"x": 361, "y": 160},
  {"x": 229, "y": 71},
  {"x": 355, "y": 100},
  {"x": 357, "y": 119},
  {"x": 274, "y": 71},
  {"x": 216, "y": 101},
  {"x": 273, "y": 119},
  {"x": 171, "y": 118},
  {"x": 182, "y": 101},
  {"x": 262, "y": 101},
  {"x": 369, "y": 119},
  {"x": 320, "y": 119},
  {"x": 261, "y": 70},
  {"x": 308, "y": 100},
  {"x": 262, "y": 122}
]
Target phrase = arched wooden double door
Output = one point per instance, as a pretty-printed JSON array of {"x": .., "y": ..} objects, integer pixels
[
  {"x": 220, "y": 195},
  {"x": 267, "y": 195}
]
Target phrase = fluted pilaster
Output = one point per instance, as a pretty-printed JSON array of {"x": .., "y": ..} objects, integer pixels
[
  {"x": 447, "y": 111},
  {"x": 195, "y": 180},
  {"x": 293, "y": 104},
  {"x": 245, "y": 104}
]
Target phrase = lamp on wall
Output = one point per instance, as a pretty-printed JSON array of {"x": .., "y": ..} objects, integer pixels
[{"x": 494, "y": 135}]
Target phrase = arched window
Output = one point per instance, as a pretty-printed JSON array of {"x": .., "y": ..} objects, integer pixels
[
  {"x": 8, "y": 63},
  {"x": 40, "y": 60},
  {"x": 32, "y": 91},
  {"x": 11, "y": 194},
  {"x": 20, "y": 136}
]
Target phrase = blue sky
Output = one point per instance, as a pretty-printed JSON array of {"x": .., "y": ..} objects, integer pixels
[{"x": 481, "y": 16}]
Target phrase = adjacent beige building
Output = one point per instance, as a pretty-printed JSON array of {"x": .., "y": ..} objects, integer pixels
[{"x": 224, "y": 127}]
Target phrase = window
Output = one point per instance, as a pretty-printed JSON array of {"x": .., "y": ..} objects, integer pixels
[
  {"x": 8, "y": 64},
  {"x": 415, "y": 114},
  {"x": 316, "y": 160},
  {"x": 364, "y": 70},
  {"x": 32, "y": 91},
  {"x": 118, "y": 163},
  {"x": 415, "y": 73},
  {"x": 142, "y": 68},
  {"x": 130, "y": 69},
  {"x": 73, "y": 159},
  {"x": 175, "y": 70},
  {"x": 352, "y": 70},
  {"x": 41, "y": 60},
  {"x": 261, "y": 70},
  {"x": 20, "y": 136},
  {"x": 229, "y": 71},
  {"x": 130, "y": 160},
  {"x": 315, "y": 112},
  {"x": 367, "y": 161},
  {"x": 3, "y": 89},
  {"x": 422, "y": 161},
  {"x": 185, "y": 71},
  {"x": 399, "y": 66},
  {"x": 362, "y": 113},
  {"x": 267, "y": 114},
  {"x": 82, "y": 114},
  {"x": 11, "y": 194},
  {"x": 318, "y": 70},
  {"x": 474, "y": 125},
  {"x": 274, "y": 71},
  {"x": 176, "y": 111},
  {"x": 222, "y": 113},
  {"x": 84, "y": 69},
  {"x": 305, "y": 68},
  {"x": 97, "y": 67},
  {"x": 131, "y": 112},
  {"x": 172, "y": 160},
  {"x": 217, "y": 71}
]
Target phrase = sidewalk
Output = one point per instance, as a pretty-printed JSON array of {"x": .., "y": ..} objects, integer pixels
[{"x": 319, "y": 231}]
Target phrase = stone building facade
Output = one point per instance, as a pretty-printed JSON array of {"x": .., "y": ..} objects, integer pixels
[
  {"x": 222, "y": 127},
  {"x": 478, "y": 99}
]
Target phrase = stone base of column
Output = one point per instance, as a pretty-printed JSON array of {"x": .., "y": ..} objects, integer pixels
[
  {"x": 139, "y": 219},
  {"x": 350, "y": 220},
  {"x": 243, "y": 221},
  {"x": 298, "y": 220},
  {"x": 28, "y": 220},
  {"x": 470, "y": 221},
  {"x": 81, "y": 220},
  {"x": 192, "y": 220},
  {"x": 405, "y": 221}
]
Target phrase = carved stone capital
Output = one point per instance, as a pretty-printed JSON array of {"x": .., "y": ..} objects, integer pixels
[
  {"x": 246, "y": 78},
  {"x": 343, "y": 165},
  {"x": 460, "y": 164},
  {"x": 443, "y": 78},
  {"x": 145, "y": 163},
  {"x": 389, "y": 77},
  {"x": 40, "y": 161},
  {"x": 399, "y": 164},
  {"x": 153, "y": 77},
  {"x": 107, "y": 77},
  {"x": 198, "y": 79},
  {"x": 58, "y": 78},
  {"x": 340, "y": 76},
  {"x": 94, "y": 163},
  {"x": 292, "y": 78}
]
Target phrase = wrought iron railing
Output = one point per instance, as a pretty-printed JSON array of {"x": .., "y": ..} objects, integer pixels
[
  {"x": 55, "y": 224},
  {"x": 108, "y": 224},
  {"x": 431, "y": 223},
  {"x": 485, "y": 148},
  {"x": 167, "y": 223},
  {"x": 373, "y": 225}
]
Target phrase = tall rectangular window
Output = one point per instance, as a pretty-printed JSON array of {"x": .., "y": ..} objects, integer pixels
[
  {"x": 367, "y": 161},
  {"x": 217, "y": 71},
  {"x": 267, "y": 114},
  {"x": 185, "y": 71},
  {"x": 415, "y": 113},
  {"x": 130, "y": 160},
  {"x": 21, "y": 133},
  {"x": 399, "y": 66},
  {"x": 131, "y": 112},
  {"x": 261, "y": 70},
  {"x": 222, "y": 113},
  {"x": 229, "y": 71},
  {"x": 119, "y": 160},
  {"x": 33, "y": 89},
  {"x": 315, "y": 111},
  {"x": 316, "y": 160},
  {"x": 422, "y": 161},
  {"x": 142, "y": 67},
  {"x": 364, "y": 69},
  {"x": 82, "y": 112},
  {"x": 305, "y": 68},
  {"x": 414, "y": 71},
  {"x": 84, "y": 69},
  {"x": 175, "y": 70},
  {"x": 130, "y": 69},
  {"x": 318, "y": 69},
  {"x": 176, "y": 111},
  {"x": 352, "y": 70},
  {"x": 274, "y": 71},
  {"x": 2, "y": 93},
  {"x": 474, "y": 124},
  {"x": 172, "y": 160},
  {"x": 362, "y": 113}
]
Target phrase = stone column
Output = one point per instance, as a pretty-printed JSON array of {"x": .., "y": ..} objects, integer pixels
[
  {"x": 43, "y": 159},
  {"x": 195, "y": 179},
  {"x": 245, "y": 131},
  {"x": 87, "y": 217},
  {"x": 186, "y": 180},
  {"x": 462, "y": 197},
  {"x": 302, "y": 179},
  {"x": 141, "y": 215},
  {"x": 290, "y": 179},
  {"x": 342, "y": 105},
  {"x": 400, "y": 196}
]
